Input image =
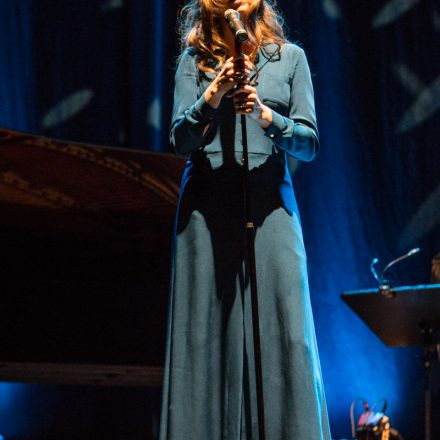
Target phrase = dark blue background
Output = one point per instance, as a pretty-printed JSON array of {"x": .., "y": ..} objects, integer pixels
[{"x": 101, "y": 72}]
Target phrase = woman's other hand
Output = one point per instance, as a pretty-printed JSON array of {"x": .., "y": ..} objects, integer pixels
[{"x": 247, "y": 102}]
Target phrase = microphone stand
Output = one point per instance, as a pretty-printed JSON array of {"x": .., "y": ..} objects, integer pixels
[{"x": 250, "y": 241}]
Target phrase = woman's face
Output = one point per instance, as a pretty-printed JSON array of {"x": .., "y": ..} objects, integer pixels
[{"x": 244, "y": 7}]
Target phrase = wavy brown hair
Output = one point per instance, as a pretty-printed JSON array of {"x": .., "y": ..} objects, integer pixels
[{"x": 200, "y": 27}]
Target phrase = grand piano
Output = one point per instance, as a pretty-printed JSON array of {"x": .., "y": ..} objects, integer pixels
[{"x": 85, "y": 236}]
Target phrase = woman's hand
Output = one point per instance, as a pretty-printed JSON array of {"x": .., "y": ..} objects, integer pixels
[
  {"x": 227, "y": 79},
  {"x": 247, "y": 102}
]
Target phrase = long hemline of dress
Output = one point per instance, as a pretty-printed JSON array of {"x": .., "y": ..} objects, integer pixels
[{"x": 209, "y": 379}]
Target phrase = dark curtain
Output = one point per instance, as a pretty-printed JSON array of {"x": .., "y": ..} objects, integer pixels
[{"x": 101, "y": 72}]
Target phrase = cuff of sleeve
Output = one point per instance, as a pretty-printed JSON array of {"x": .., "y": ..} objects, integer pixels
[
  {"x": 202, "y": 111},
  {"x": 277, "y": 127}
]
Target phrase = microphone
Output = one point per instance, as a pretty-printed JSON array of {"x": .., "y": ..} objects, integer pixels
[
  {"x": 403, "y": 257},
  {"x": 233, "y": 19},
  {"x": 373, "y": 270},
  {"x": 384, "y": 285}
]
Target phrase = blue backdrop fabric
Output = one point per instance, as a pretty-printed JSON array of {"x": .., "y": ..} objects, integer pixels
[{"x": 82, "y": 70}]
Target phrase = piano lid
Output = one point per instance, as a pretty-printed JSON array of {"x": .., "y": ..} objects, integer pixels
[{"x": 85, "y": 233}]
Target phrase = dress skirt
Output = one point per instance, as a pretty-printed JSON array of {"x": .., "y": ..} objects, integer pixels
[{"x": 209, "y": 390}]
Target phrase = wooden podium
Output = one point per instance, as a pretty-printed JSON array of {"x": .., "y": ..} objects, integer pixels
[{"x": 405, "y": 316}]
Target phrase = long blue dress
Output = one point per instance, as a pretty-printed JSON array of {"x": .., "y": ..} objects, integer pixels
[{"x": 209, "y": 378}]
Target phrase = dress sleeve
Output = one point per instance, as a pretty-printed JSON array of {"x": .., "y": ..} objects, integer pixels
[
  {"x": 191, "y": 114},
  {"x": 298, "y": 133}
]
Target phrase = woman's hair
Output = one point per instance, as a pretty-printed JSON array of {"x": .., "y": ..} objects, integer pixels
[{"x": 200, "y": 27}]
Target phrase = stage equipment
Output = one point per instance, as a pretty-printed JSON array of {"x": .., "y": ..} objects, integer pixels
[
  {"x": 411, "y": 316},
  {"x": 233, "y": 19},
  {"x": 85, "y": 235},
  {"x": 372, "y": 424},
  {"x": 385, "y": 287}
]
